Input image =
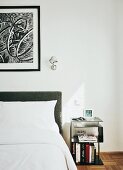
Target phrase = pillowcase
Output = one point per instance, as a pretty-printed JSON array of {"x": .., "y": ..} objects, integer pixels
[{"x": 32, "y": 114}]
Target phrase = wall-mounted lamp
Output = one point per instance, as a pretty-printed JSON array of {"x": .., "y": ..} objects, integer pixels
[{"x": 53, "y": 60}]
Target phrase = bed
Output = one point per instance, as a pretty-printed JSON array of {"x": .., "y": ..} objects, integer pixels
[{"x": 31, "y": 132}]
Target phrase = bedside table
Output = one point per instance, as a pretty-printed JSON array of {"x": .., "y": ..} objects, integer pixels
[{"x": 85, "y": 138}]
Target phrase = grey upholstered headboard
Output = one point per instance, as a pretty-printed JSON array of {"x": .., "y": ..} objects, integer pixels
[{"x": 37, "y": 96}]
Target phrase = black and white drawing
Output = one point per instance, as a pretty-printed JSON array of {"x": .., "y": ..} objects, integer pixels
[{"x": 19, "y": 38}]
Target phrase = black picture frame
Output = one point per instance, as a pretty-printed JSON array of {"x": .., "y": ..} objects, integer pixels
[{"x": 19, "y": 38}]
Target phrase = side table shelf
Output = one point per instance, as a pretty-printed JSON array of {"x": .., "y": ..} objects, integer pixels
[{"x": 85, "y": 139}]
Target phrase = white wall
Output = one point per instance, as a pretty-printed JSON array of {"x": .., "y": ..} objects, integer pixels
[{"x": 82, "y": 35}]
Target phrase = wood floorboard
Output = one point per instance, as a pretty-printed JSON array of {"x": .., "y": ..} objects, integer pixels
[{"x": 112, "y": 161}]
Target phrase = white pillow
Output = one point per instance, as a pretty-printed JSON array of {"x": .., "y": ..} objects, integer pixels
[{"x": 33, "y": 114}]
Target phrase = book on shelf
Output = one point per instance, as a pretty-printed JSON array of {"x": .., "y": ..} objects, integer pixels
[
  {"x": 92, "y": 153},
  {"x": 87, "y": 138},
  {"x": 84, "y": 138},
  {"x": 74, "y": 151},
  {"x": 78, "y": 153},
  {"x": 82, "y": 152},
  {"x": 87, "y": 152}
]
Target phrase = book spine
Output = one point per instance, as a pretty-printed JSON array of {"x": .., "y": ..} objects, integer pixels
[
  {"x": 92, "y": 153},
  {"x": 87, "y": 151},
  {"x": 82, "y": 153},
  {"x": 77, "y": 153},
  {"x": 74, "y": 151}
]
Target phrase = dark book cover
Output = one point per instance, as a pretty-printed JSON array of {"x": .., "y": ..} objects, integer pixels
[
  {"x": 83, "y": 153},
  {"x": 94, "y": 154}
]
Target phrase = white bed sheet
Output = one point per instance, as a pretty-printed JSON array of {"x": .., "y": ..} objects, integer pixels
[{"x": 34, "y": 150}]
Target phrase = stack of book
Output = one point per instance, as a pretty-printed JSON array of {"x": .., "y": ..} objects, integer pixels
[{"x": 84, "y": 153}]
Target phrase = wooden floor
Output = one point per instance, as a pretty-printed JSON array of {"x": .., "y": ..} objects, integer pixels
[{"x": 112, "y": 161}]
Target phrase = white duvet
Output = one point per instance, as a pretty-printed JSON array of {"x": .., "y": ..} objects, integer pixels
[{"x": 34, "y": 150}]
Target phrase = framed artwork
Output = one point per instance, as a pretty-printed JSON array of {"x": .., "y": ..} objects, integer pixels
[
  {"x": 88, "y": 113},
  {"x": 19, "y": 38}
]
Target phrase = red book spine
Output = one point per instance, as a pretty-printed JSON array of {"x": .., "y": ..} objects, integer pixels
[{"x": 87, "y": 148}]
